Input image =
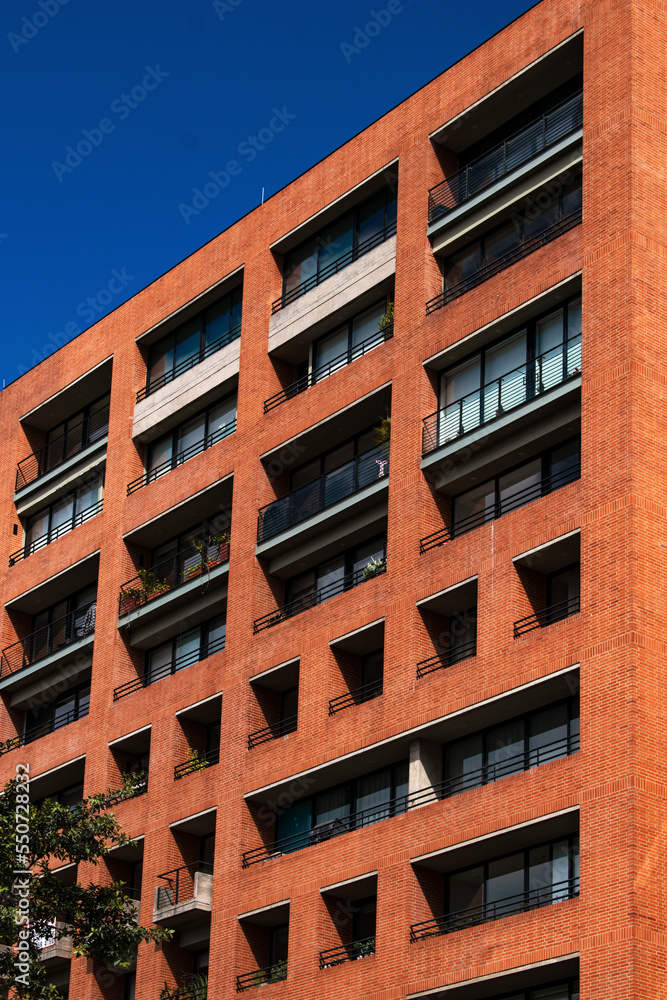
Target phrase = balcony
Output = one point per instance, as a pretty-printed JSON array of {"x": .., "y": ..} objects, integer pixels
[
  {"x": 187, "y": 891},
  {"x": 197, "y": 762},
  {"x": 85, "y": 438},
  {"x": 551, "y": 614},
  {"x": 275, "y": 732},
  {"x": 187, "y": 993},
  {"x": 182, "y": 456},
  {"x": 46, "y": 642},
  {"x": 356, "y": 697},
  {"x": 166, "y": 670},
  {"x": 55, "y": 533},
  {"x": 172, "y": 574},
  {"x": 311, "y": 600},
  {"x": 546, "y": 485},
  {"x": 322, "y": 493},
  {"x": 532, "y": 899},
  {"x": 261, "y": 977},
  {"x": 36, "y": 733},
  {"x": 189, "y": 362},
  {"x": 53, "y": 948},
  {"x": 515, "y": 389},
  {"x": 347, "y": 953},
  {"x": 318, "y": 374},
  {"x": 506, "y": 158},
  {"x": 455, "y": 654}
]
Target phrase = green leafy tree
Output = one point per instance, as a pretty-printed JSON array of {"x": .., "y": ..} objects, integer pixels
[{"x": 100, "y": 920}]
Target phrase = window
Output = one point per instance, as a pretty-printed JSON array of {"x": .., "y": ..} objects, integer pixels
[
  {"x": 510, "y": 490},
  {"x": 336, "y": 575},
  {"x": 64, "y": 514},
  {"x": 63, "y": 623},
  {"x": 348, "y": 341},
  {"x": 512, "y": 747},
  {"x": 562, "y": 593},
  {"x": 362, "y": 228},
  {"x": 66, "y": 708},
  {"x": 189, "y": 439},
  {"x": 521, "y": 366},
  {"x": 349, "y": 806},
  {"x": 536, "y": 876},
  {"x": 556, "y": 991},
  {"x": 69, "y": 796},
  {"x": 185, "y": 649},
  {"x": 186, "y": 553},
  {"x": 76, "y": 433},
  {"x": 194, "y": 341}
]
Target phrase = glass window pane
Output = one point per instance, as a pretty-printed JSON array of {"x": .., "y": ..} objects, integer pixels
[
  {"x": 520, "y": 486},
  {"x": 161, "y": 360},
  {"x": 294, "y": 823},
  {"x": 187, "y": 648},
  {"x": 237, "y": 308},
  {"x": 278, "y": 944},
  {"x": 463, "y": 266},
  {"x": 563, "y": 586},
  {"x": 333, "y": 804},
  {"x": 400, "y": 776},
  {"x": 301, "y": 586},
  {"x": 373, "y": 796},
  {"x": 505, "y": 749},
  {"x": 372, "y": 667},
  {"x": 300, "y": 265},
  {"x": 367, "y": 553},
  {"x": 216, "y": 634},
  {"x": 342, "y": 480},
  {"x": 87, "y": 496},
  {"x": 371, "y": 217},
  {"x": 459, "y": 400},
  {"x": 564, "y": 464},
  {"x": 335, "y": 243},
  {"x": 38, "y": 526},
  {"x": 62, "y": 514},
  {"x": 364, "y": 918},
  {"x": 505, "y": 375},
  {"x": 505, "y": 881},
  {"x": 160, "y": 454},
  {"x": 466, "y": 889},
  {"x": 306, "y": 474},
  {"x": 366, "y": 325},
  {"x": 548, "y": 731},
  {"x": 187, "y": 342},
  {"x": 160, "y": 661},
  {"x": 218, "y": 319},
  {"x": 221, "y": 419},
  {"x": 331, "y": 577},
  {"x": 474, "y": 507},
  {"x": 551, "y": 993},
  {"x": 500, "y": 242},
  {"x": 464, "y": 764},
  {"x": 190, "y": 439},
  {"x": 331, "y": 353},
  {"x": 540, "y": 874},
  {"x": 289, "y": 702}
]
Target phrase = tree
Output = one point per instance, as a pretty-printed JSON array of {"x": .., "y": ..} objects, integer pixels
[{"x": 100, "y": 919}]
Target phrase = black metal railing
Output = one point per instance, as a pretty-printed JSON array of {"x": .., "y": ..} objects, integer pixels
[
  {"x": 36, "y": 733},
  {"x": 55, "y": 533},
  {"x": 347, "y": 952},
  {"x": 551, "y": 614},
  {"x": 139, "y": 787},
  {"x": 274, "y": 732},
  {"x": 531, "y": 899},
  {"x": 168, "y": 575},
  {"x": 443, "y": 660},
  {"x": 547, "y": 484},
  {"x": 50, "y": 639},
  {"x": 324, "y": 371},
  {"x": 507, "y": 156},
  {"x": 62, "y": 448},
  {"x": 323, "y": 492},
  {"x": 182, "y": 456},
  {"x": 154, "y": 674},
  {"x": 492, "y": 267},
  {"x": 180, "y": 884},
  {"x": 189, "y": 363},
  {"x": 489, "y": 773},
  {"x": 196, "y": 993},
  {"x": 334, "y": 267},
  {"x": 356, "y": 697},
  {"x": 260, "y": 977},
  {"x": 197, "y": 762},
  {"x": 315, "y": 597},
  {"x": 510, "y": 391}
]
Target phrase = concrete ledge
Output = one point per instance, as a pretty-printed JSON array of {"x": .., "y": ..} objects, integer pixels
[
  {"x": 34, "y": 496},
  {"x": 190, "y": 910},
  {"x": 159, "y": 411},
  {"x": 333, "y": 294},
  {"x": 39, "y": 677}
]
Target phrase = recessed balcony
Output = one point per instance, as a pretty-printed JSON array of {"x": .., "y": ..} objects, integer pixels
[
  {"x": 184, "y": 893},
  {"x": 149, "y": 592},
  {"x": 58, "y": 644}
]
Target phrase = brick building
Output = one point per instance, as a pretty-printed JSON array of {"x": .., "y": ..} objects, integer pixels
[{"x": 333, "y": 533}]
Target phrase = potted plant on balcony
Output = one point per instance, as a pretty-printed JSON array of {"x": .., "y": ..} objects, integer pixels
[
  {"x": 373, "y": 567},
  {"x": 386, "y": 321},
  {"x": 382, "y": 433},
  {"x": 210, "y": 549}
]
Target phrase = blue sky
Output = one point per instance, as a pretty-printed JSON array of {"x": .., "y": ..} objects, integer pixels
[{"x": 113, "y": 114}]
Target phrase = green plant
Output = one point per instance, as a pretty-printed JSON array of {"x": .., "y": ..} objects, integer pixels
[
  {"x": 196, "y": 761},
  {"x": 363, "y": 948},
  {"x": 204, "y": 546},
  {"x": 277, "y": 972},
  {"x": 387, "y": 319},
  {"x": 382, "y": 432},
  {"x": 372, "y": 568}
]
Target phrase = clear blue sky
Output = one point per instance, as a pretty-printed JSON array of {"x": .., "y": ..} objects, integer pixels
[{"x": 178, "y": 88}]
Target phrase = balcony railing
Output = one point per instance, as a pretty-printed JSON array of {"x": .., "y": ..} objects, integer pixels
[
  {"x": 54, "y": 533},
  {"x": 356, "y": 697},
  {"x": 182, "y": 456},
  {"x": 503, "y": 395},
  {"x": 531, "y": 899},
  {"x": 334, "y": 267},
  {"x": 62, "y": 448},
  {"x": 36, "y": 733},
  {"x": 511, "y": 153},
  {"x": 199, "y": 762},
  {"x": 498, "y": 264},
  {"x": 196, "y": 993},
  {"x": 324, "y": 371},
  {"x": 50, "y": 639},
  {"x": 274, "y": 732},
  {"x": 139, "y": 787},
  {"x": 189, "y": 363},
  {"x": 167, "y": 669},
  {"x": 169, "y": 575},
  {"x": 180, "y": 884},
  {"x": 443, "y": 660},
  {"x": 554, "y": 613},
  {"x": 260, "y": 977},
  {"x": 546, "y": 485},
  {"x": 489, "y": 773},
  {"x": 347, "y": 953},
  {"x": 323, "y": 492},
  {"x": 315, "y": 597}
]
